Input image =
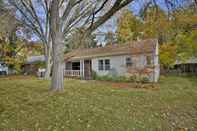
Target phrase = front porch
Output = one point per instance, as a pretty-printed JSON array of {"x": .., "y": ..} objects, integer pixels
[{"x": 80, "y": 69}]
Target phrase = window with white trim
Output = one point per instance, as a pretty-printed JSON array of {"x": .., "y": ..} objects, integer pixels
[
  {"x": 104, "y": 64},
  {"x": 100, "y": 65},
  {"x": 107, "y": 64}
]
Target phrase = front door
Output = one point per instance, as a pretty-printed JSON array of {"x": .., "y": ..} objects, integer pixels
[{"x": 87, "y": 69}]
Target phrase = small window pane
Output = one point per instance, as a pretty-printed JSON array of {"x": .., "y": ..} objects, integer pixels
[
  {"x": 100, "y": 64},
  {"x": 128, "y": 62},
  {"x": 107, "y": 64},
  {"x": 75, "y": 65}
]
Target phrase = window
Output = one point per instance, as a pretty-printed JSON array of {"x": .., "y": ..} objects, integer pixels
[
  {"x": 100, "y": 65},
  {"x": 107, "y": 64},
  {"x": 148, "y": 60},
  {"x": 128, "y": 62},
  {"x": 104, "y": 64},
  {"x": 75, "y": 65}
]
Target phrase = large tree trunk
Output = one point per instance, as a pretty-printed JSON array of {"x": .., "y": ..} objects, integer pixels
[
  {"x": 58, "y": 64},
  {"x": 58, "y": 49}
]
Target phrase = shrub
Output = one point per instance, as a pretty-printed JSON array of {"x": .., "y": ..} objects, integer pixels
[
  {"x": 133, "y": 78},
  {"x": 94, "y": 75},
  {"x": 144, "y": 79},
  {"x": 112, "y": 78}
]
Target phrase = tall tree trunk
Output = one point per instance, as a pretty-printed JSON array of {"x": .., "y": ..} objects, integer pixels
[
  {"x": 48, "y": 61},
  {"x": 58, "y": 49},
  {"x": 58, "y": 64}
]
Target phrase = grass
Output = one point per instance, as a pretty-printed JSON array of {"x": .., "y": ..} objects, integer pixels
[{"x": 26, "y": 105}]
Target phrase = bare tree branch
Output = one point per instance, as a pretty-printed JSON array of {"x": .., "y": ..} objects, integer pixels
[{"x": 116, "y": 7}]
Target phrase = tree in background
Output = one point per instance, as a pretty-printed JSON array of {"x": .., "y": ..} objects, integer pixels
[
  {"x": 173, "y": 29},
  {"x": 20, "y": 54},
  {"x": 156, "y": 24},
  {"x": 129, "y": 27},
  {"x": 35, "y": 15},
  {"x": 76, "y": 40},
  {"x": 11, "y": 47},
  {"x": 181, "y": 32},
  {"x": 110, "y": 38},
  {"x": 168, "y": 54}
]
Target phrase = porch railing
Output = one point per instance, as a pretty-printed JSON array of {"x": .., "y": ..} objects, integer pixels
[{"x": 76, "y": 73}]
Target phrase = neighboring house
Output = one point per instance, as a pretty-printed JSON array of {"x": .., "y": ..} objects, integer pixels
[
  {"x": 31, "y": 65},
  {"x": 34, "y": 57},
  {"x": 189, "y": 66},
  {"x": 3, "y": 68},
  {"x": 115, "y": 60}
]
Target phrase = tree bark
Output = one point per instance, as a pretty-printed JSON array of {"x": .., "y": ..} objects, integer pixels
[
  {"x": 58, "y": 64},
  {"x": 48, "y": 67},
  {"x": 58, "y": 48},
  {"x": 48, "y": 61}
]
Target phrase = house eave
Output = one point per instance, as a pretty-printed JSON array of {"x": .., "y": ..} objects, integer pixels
[{"x": 106, "y": 55}]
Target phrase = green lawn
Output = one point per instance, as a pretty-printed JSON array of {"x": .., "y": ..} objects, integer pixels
[{"x": 26, "y": 105}]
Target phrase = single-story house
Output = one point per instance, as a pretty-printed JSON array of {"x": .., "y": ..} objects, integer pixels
[
  {"x": 115, "y": 60},
  {"x": 189, "y": 66}
]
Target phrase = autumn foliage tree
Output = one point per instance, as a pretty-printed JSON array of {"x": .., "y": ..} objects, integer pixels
[
  {"x": 168, "y": 54},
  {"x": 175, "y": 30},
  {"x": 11, "y": 47},
  {"x": 129, "y": 27}
]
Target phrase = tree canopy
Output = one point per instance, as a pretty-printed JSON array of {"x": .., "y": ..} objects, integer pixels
[
  {"x": 11, "y": 46},
  {"x": 129, "y": 27},
  {"x": 176, "y": 32}
]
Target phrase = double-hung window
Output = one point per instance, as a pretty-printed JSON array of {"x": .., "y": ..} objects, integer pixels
[
  {"x": 104, "y": 64},
  {"x": 107, "y": 64},
  {"x": 100, "y": 65}
]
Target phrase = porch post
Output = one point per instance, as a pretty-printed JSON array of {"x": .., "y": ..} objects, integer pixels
[{"x": 82, "y": 68}]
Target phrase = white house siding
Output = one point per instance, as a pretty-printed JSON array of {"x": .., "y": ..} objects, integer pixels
[
  {"x": 118, "y": 64},
  {"x": 139, "y": 61}
]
